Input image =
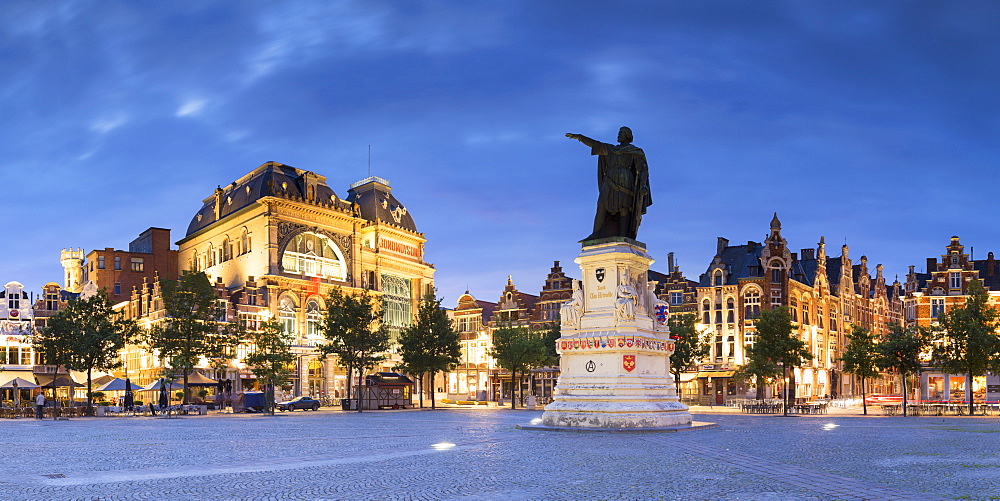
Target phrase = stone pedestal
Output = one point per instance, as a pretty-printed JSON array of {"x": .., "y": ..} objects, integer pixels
[{"x": 615, "y": 347}]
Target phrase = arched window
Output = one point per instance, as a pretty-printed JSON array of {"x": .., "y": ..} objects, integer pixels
[
  {"x": 718, "y": 277},
  {"x": 706, "y": 308},
  {"x": 211, "y": 256},
  {"x": 227, "y": 249},
  {"x": 313, "y": 319},
  {"x": 286, "y": 315},
  {"x": 751, "y": 303},
  {"x": 793, "y": 309},
  {"x": 245, "y": 242},
  {"x": 313, "y": 255}
]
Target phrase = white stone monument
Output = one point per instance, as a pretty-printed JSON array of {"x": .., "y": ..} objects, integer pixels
[{"x": 615, "y": 347}]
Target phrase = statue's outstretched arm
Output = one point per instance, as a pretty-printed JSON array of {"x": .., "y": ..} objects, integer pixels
[{"x": 583, "y": 139}]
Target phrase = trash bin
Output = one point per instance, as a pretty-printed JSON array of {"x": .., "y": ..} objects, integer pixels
[{"x": 347, "y": 404}]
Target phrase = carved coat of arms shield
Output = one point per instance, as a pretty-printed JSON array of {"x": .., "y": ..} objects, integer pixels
[{"x": 599, "y": 273}]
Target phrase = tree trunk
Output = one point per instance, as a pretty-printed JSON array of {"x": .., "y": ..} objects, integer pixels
[
  {"x": 904, "y": 393},
  {"x": 350, "y": 380},
  {"x": 968, "y": 392},
  {"x": 423, "y": 379},
  {"x": 864, "y": 398},
  {"x": 90, "y": 396},
  {"x": 432, "y": 390},
  {"x": 185, "y": 399},
  {"x": 513, "y": 391},
  {"x": 760, "y": 388},
  {"x": 361, "y": 388},
  {"x": 784, "y": 372}
]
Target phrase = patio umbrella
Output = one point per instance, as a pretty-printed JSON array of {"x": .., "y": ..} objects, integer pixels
[
  {"x": 160, "y": 384},
  {"x": 19, "y": 383},
  {"x": 62, "y": 381},
  {"x": 129, "y": 398},
  {"x": 115, "y": 384}
]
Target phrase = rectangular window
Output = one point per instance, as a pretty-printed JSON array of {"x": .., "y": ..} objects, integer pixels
[
  {"x": 937, "y": 307},
  {"x": 100, "y": 262},
  {"x": 118, "y": 289},
  {"x": 137, "y": 264},
  {"x": 955, "y": 280},
  {"x": 118, "y": 262},
  {"x": 25, "y": 355},
  {"x": 676, "y": 298}
]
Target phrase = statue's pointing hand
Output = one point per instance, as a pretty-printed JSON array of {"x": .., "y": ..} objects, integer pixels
[{"x": 573, "y": 136}]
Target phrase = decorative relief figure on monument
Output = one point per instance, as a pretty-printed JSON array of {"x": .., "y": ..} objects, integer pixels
[
  {"x": 625, "y": 304},
  {"x": 572, "y": 310},
  {"x": 623, "y": 181},
  {"x": 658, "y": 308}
]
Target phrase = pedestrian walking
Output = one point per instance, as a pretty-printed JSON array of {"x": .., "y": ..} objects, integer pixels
[{"x": 39, "y": 405}]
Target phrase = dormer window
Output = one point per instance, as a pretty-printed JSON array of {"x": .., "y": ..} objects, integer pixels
[{"x": 718, "y": 278}]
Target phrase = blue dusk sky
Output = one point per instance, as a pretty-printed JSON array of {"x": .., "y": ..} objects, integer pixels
[{"x": 870, "y": 123}]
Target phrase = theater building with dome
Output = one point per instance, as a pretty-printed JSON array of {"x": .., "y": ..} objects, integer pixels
[{"x": 274, "y": 243}]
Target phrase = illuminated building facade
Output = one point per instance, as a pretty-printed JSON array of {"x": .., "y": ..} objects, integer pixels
[
  {"x": 274, "y": 243},
  {"x": 943, "y": 287},
  {"x": 825, "y": 297}
]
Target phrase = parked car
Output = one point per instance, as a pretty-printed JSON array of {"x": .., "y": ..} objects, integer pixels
[{"x": 299, "y": 403}]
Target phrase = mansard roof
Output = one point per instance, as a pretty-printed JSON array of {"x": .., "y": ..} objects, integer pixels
[
  {"x": 742, "y": 261},
  {"x": 374, "y": 197},
  {"x": 271, "y": 179}
]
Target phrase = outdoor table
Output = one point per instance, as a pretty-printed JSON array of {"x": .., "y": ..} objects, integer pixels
[{"x": 890, "y": 409}]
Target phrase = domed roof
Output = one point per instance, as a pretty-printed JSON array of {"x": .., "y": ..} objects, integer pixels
[
  {"x": 374, "y": 197},
  {"x": 271, "y": 179}
]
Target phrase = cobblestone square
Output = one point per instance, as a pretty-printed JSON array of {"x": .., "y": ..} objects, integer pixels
[{"x": 406, "y": 455}]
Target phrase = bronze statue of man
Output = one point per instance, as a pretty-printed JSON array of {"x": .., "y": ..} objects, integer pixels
[{"x": 623, "y": 181}]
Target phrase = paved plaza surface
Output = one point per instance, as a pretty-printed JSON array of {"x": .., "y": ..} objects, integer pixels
[{"x": 404, "y": 455}]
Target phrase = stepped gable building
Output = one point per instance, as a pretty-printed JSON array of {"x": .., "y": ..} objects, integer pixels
[
  {"x": 275, "y": 242},
  {"x": 477, "y": 376},
  {"x": 472, "y": 376},
  {"x": 944, "y": 286},
  {"x": 824, "y": 295},
  {"x": 557, "y": 290},
  {"x": 148, "y": 258},
  {"x": 676, "y": 290}
]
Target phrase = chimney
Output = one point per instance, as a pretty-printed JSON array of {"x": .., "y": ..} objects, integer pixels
[
  {"x": 931, "y": 265},
  {"x": 808, "y": 254},
  {"x": 721, "y": 245},
  {"x": 670, "y": 262}
]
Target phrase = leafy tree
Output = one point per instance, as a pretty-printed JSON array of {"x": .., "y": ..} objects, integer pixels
[
  {"x": 860, "y": 358},
  {"x": 689, "y": 346},
  {"x": 272, "y": 356},
  {"x": 430, "y": 344},
  {"x": 549, "y": 339},
  {"x": 900, "y": 352},
  {"x": 966, "y": 338},
  {"x": 776, "y": 351},
  {"x": 516, "y": 349},
  {"x": 87, "y": 335},
  {"x": 355, "y": 333},
  {"x": 195, "y": 326}
]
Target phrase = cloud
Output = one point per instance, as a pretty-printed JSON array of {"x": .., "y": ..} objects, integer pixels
[
  {"x": 192, "y": 107},
  {"x": 107, "y": 124}
]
